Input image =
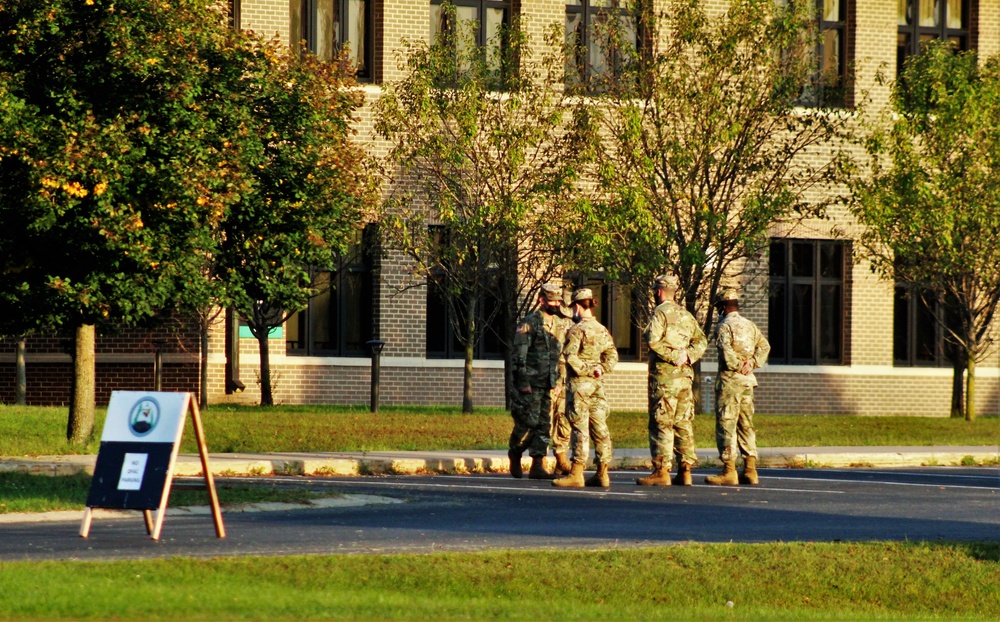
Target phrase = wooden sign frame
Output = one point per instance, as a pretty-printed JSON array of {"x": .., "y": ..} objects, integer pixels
[{"x": 154, "y": 526}]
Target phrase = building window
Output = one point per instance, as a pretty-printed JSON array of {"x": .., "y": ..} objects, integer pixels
[
  {"x": 917, "y": 337},
  {"x": 616, "y": 309},
  {"x": 234, "y": 14},
  {"x": 806, "y": 305},
  {"x": 338, "y": 320},
  {"x": 832, "y": 66},
  {"x": 326, "y": 27},
  {"x": 591, "y": 60},
  {"x": 444, "y": 318},
  {"x": 487, "y": 18},
  {"x": 921, "y": 21}
]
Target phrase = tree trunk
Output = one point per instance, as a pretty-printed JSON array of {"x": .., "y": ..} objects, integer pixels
[
  {"x": 21, "y": 391},
  {"x": 970, "y": 389},
  {"x": 470, "y": 349},
  {"x": 957, "y": 382},
  {"x": 203, "y": 381},
  {"x": 80, "y": 427},
  {"x": 266, "y": 397}
]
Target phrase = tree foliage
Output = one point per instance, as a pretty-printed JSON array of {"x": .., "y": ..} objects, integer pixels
[
  {"x": 110, "y": 171},
  {"x": 703, "y": 144},
  {"x": 929, "y": 197},
  {"x": 307, "y": 187},
  {"x": 483, "y": 145}
]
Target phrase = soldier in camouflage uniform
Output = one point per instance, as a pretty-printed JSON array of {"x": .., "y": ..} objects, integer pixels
[
  {"x": 742, "y": 349},
  {"x": 537, "y": 350},
  {"x": 675, "y": 343},
  {"x": 590, "y": 353},
  {"x": 561, "y": 431}
]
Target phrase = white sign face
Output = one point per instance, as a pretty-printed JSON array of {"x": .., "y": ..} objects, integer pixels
[
  {"x": 133, "y": 469},
  {"x": 145, "y": 417}
]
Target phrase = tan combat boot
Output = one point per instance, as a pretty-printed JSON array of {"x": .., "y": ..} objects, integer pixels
[
  {"x": 683, "y": 477},
  {"x": 538, "y": 469},
  {"x": 728, "y": 476},
  {"x": 563, "y": 465},
  {"x": 515, "y": 463},
  {"x": 749, "y": 475},
  {"x": 599, "y": 479},
  {"x": 660, "y": 475},
  {"x": 573, "y": 480}
]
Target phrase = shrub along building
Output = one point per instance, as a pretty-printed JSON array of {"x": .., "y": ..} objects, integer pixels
[{"x": 843, "y": 341}]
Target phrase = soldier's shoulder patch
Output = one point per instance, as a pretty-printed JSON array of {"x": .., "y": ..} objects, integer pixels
[{"x": 524, "y": 328}]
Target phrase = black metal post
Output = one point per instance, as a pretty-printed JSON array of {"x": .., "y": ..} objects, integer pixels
[
  {"x": 157, "y": 365},
  {"x": 376, "y": 345}
]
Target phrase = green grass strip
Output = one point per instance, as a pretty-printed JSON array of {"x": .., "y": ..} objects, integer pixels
[
  {"x": 802, "y": 581},
  {"x": 41, "y": 431}
]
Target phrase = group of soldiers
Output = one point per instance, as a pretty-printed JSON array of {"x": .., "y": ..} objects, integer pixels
[{"x": 562, "y": 354}]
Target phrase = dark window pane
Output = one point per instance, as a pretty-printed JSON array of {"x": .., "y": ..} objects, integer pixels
[
  {"x": 777, "y": 320},
  {"x": 295, "y": 333},
  {"x": 803, "y": 257},
  {"x": 831, "y": 322},
  {"x": 323, "y": 315},
  {"x": 437, "y": 320},
  {"x": 802, "y": 322},
  {"x": 925, "y": 339},
  {"x": 831, "y": 260},
  {"x": 778, "y": 259},
  {"x": 357, "y": 312},
  {"x": 901, "y": 327}
]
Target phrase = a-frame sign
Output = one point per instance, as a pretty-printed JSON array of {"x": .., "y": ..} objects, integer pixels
[{"x": 139, "y": 446}]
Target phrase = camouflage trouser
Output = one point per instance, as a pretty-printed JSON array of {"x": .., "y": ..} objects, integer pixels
[
  {"x": 588, "y": 413},
  {"x": 671, "y": 421},
  {"x": 561, "y": 432},
  {"x": 734, "y": 433},
  {"x": 531, "y": 422}
]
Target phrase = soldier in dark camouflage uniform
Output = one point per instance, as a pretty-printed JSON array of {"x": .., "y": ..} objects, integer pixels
[
  {"x": 742, "y": 349},
  {"x": 537, "y": 350},
  {"x": 590, "y": 353},
  {"x": 675, "y": 343}
]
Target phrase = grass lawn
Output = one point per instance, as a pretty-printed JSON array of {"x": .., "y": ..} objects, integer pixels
[
  {"x": 42, "y": 430},
  {"x": 801, "y": 581},
  {"x": 24, "y": 492}
]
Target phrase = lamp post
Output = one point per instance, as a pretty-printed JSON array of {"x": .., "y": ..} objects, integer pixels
[
  {"x": 376, "y": 346},
  {"x": 158, "y": 364}
]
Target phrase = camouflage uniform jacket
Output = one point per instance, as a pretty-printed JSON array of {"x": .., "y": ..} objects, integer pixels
[
  {"x": 589, "y": 344},
  {"x": 672, "y": 330},
  {"x": 537, "y": 348},
  {"x": 739, "y": 340}
]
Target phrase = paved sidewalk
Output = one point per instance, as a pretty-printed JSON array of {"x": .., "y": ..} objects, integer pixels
[{"x": 410, "y": 462}]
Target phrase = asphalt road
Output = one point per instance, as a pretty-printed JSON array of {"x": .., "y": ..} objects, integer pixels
[{"x": 478, "y": 512}]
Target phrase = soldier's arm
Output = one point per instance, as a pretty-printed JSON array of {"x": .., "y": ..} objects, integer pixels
[
  {"x": 609, "y": 356},
  {"x": 571, "y": 353},
  {"x": 762, "y": 349},
  {"x": 522, "y": 340},
  {"x": 699, "y": 343}
]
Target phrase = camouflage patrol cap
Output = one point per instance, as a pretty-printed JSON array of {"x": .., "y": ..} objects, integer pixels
[
  {"x": 552, "y": 292},
  {"x": 729, "y": 294},
  {"x": 583, "y": 293},
  {"x": 666, "y": 281}
]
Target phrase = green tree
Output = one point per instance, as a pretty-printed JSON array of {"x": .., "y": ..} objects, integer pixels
[
  {"x": 110, "y": 171},
  {"x": 703, "y": 144},
  {"x": 482, "y": 145},
  {"x": 307, "y": 188},
  {"x": 929, "y": 198}
]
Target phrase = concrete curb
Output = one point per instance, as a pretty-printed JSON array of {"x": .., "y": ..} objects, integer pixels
[{"x": 469, "y": 462}]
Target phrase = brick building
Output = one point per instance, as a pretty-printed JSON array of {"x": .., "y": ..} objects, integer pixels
[{"x": 862, "y": 349}]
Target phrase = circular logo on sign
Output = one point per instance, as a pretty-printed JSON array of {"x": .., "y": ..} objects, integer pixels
[{"x": 144, "y": 416}]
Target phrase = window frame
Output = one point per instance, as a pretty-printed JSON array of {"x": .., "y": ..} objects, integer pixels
[
  {"x": 915, "y": 34},
  {"x": 832, "y": 95},
  {"x": 915, "y": 304},
  {"x": 586, "y": 78},
  {"x": 436, "y": 306},
  {"x": 359, "y": 260},
  {"x": 306, "y": 19},
  {"x": 783, "y": 336}
]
